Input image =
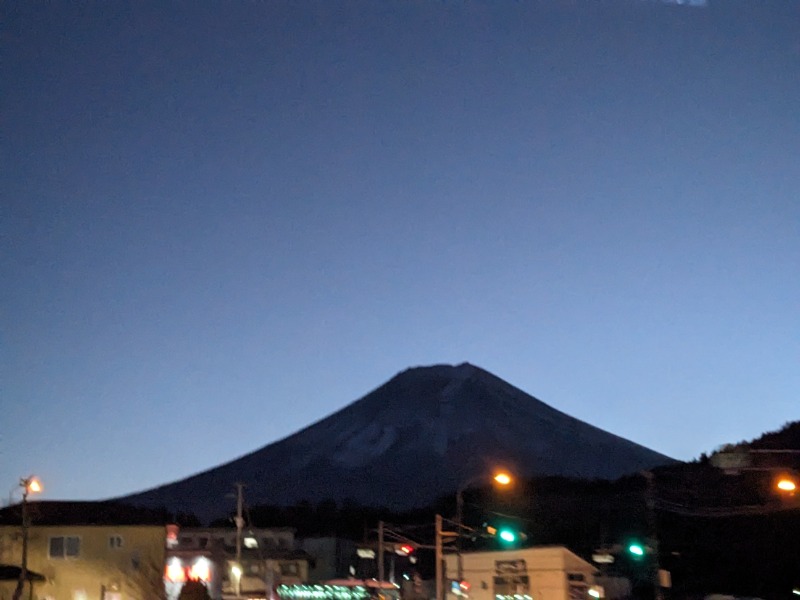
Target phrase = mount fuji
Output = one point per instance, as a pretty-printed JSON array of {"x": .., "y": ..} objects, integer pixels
[{"x": 410, "y": 441}]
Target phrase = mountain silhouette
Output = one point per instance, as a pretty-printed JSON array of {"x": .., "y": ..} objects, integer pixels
[{"x": 413, "y": 439}]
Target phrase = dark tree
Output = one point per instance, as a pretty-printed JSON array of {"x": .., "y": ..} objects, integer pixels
[{"x": 194, "y": 590}]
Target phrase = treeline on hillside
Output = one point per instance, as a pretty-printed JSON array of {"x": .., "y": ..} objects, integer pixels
[
  {"x": 785, "y": 438},
  {"x": 547, "y": 510}
]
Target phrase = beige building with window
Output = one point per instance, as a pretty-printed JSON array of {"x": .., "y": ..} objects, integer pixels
[
  {"x": 81, "y": 560},
  {"x": 543, "y": 573}
]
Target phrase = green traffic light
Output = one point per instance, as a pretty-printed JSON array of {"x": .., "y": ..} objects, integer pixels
[
  {"x": 636, "y": 549},
  {"x": 508, "y": 536}
]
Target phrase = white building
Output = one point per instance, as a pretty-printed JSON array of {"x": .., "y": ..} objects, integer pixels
[{"x": 543, "y": 573}]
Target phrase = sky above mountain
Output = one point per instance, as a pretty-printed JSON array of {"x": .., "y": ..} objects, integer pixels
[{"x": 223, "y": 221}]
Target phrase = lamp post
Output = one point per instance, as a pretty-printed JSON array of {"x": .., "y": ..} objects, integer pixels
[
  {"x": 29, "y": 485},
  {"x": 652, "y": 526},
  {"x": 502, "y": 478},
  {"x": 786, "y": 485}
]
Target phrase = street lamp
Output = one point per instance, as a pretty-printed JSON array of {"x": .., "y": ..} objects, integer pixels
[
  {"x": 29, "y": 485},
  {"x": 786, "y": 484},
  {"x": 502, "y": 478}
]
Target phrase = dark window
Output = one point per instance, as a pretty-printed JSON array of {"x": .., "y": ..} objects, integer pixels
[
  {"x": 57, "y": 547},
  {"x": 65, "y": 546}
]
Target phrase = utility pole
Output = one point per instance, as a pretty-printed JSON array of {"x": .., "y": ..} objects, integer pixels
[
  {"x": 28, "y": 485},
  {"x": 23, "y": 573},
  {"x": 652, "y": 525},
  {"x": 239, "y": 527},
  {"x": 380, "y": 555},
  {"x": 459, "y": 521},
  {"x": 439, "y": 560}
]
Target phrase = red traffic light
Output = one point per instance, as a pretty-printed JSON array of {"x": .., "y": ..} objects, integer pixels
[{"x": 405, "y": 549}]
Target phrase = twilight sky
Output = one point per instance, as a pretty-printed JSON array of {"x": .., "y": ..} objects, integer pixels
[{"x": 222, "y": 221}]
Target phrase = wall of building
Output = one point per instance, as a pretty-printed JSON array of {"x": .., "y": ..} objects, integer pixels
[
  {"x": 331, "y": 557},
  {"x": 118, "y": 562},
  {"x": 548, "y": 573}
]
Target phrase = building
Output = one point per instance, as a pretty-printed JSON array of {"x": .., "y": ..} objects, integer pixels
[
  {"x": 329, "y": 557},
  {"x": 540, "y": 573},
  {"x": 268, "y": 559},
  {"x": 86, "y": 551}
]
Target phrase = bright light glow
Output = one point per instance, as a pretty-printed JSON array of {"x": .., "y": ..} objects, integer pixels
[
  {"x": 322, "y": 592},
  {"x": 250, "y": 542},
  {"x": 503, "y": 478},
  {"x": 507, "y": 536},
  {"x": 34, "y": 485},
  {"x": 174, "y": 571},
  {"x": 594, "y": 593},
  {"x": 636, "y": 549},
  {"x": 201, "y": 570},
  {"x": 236, "y": 570},
  {"x": 786, "y": 485},
  {"x": 796, "y": 591}
]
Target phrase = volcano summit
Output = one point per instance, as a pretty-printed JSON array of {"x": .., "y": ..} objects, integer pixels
[{"x": 406, "y": 443}]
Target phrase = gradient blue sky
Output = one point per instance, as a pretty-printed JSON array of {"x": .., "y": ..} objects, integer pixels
[{"x": 222, "y": 221}]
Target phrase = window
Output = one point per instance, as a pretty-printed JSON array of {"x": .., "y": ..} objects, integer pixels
[
  {"x": 115, "y": 541},
  {"x": 288, "y": 568},
  {"x": 68, "y": 546}
]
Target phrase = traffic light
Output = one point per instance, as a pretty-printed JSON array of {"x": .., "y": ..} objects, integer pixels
[
  {"x": 507, "y": 535},
  {"x": 404, "y": 549},
  {"x": 636, "y": 549}
]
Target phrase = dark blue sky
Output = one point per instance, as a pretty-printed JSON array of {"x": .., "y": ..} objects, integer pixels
[{"x": 223, "y": 221}]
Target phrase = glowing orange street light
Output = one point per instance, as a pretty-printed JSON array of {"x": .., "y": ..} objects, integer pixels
[
  {"x": 786, "y": 484},
  {"x": 503, "y": 478},
  {"x": 32, "y": 485}
]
